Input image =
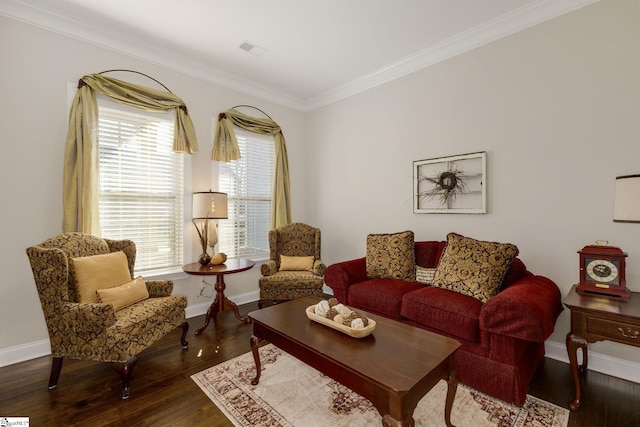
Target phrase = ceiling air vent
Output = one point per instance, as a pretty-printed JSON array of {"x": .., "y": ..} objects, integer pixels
[{"x": 252, "y": 48}]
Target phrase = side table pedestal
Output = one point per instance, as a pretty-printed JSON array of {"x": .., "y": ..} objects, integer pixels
[{"x": 221, "y": 302}]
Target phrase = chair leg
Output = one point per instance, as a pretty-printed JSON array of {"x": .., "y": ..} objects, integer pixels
[
  {"x": 183, "y": 338},
  {"x": 56, "y": 367},
  {"x": 125, "y": 369}
]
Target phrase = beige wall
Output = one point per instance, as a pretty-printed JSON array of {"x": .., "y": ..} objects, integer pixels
[
  {"x": 37, "y": 66},
  {"x": 557, "y": 109}
]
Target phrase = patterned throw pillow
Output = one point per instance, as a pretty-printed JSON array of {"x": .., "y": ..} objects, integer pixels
[
  {"x": 424, "y": 275},
  {"x": 391, "y": 256},
  {"x": 473, "y": 267}
]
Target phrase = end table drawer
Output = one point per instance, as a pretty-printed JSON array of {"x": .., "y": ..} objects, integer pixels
[{"x": 615, "y": 331}]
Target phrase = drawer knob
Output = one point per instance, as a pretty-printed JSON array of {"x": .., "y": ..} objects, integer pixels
[{"x": 629, "y": 334}]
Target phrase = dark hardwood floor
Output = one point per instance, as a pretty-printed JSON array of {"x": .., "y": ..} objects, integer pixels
[{"x": 163, "y": 393}]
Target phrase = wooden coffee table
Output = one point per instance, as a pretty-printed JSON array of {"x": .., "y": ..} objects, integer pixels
[{"x": 394, "y": 367}]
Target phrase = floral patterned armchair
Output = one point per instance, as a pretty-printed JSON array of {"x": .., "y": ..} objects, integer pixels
[
  {"x": 96, "y": 331},
  {"x": 289, "y": 277}
]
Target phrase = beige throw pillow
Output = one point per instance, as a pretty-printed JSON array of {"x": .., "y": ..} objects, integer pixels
[
  {"x": 473, "y": 267},
  {"x": 124, "y": 295},
  {"x": 391, "y": 256},
  {"x": 99, "y": 272},
  {"x": 424, "y": 275},
  {"x": 296, "y": 263}
]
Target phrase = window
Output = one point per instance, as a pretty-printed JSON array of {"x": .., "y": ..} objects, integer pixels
[
  {"x": 248, "y": 182},
  {"x": 141, "y": 185}
]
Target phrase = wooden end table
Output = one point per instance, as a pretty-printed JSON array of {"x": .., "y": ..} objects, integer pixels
[
  {"x": 221, "y": 302},
  {"x": 394, "y": 367},
  {"x": 598, "y": 318}
]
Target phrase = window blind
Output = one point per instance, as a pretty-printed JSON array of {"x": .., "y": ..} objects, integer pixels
[
  {"x": 141, "y": 185},
  {"x": 248, "y": 183}
]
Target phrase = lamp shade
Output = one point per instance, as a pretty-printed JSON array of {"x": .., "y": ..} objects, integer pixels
[
  {"x": 209, "y": 204},
  {"x": 627, "y": 201}
]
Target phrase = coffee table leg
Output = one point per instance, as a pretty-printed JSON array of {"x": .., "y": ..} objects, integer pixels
[
  {"x": 389, "y": 421},
  {"x": 452, "y": 386},
  {"x": 255, "y": 344}
]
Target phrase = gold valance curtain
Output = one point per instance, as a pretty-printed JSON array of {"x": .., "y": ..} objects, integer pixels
[
  {"x": 80, "y": 186},
  {"x": 225, "y": 149}
]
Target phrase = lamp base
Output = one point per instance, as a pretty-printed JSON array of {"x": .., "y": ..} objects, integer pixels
[{"x": 204, "y": 259}]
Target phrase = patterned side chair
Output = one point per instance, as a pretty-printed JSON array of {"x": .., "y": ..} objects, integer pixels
[
  {"x": 95, "y": 331},
  {"x": 293, "y": 240}
]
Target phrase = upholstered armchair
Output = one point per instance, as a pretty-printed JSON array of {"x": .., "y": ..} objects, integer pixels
[
  {"x": 294, "y": 269},
  {"x": 115, "y": 331}
]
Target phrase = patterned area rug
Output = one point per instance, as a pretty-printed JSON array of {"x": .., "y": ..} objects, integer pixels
[{"x": 291, "y": 393}]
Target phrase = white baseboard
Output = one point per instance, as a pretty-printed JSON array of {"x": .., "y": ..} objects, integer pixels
[
  {"x": 598, "y": 362},
  {"x": 199, "y": 309},
  {"x": 20, "y": 353},
  {"x": 35, "y": 349}
]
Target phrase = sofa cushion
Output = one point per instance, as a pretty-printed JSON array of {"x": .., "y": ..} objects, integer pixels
[
  {"x": 473, "y": 267},
  {"x": 381, "y": 296},
  {"x": 99, "y": 272},
  {"x": 429, "y": 252},
  {"x": 451, "y": 312},
  {"x": 391, "y": 256}
]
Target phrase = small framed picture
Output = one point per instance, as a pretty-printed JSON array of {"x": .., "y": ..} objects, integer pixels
[{"x": 454, "y": 184}]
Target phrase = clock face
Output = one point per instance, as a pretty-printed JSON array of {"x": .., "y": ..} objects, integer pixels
[{"x": 601, "y": 271}]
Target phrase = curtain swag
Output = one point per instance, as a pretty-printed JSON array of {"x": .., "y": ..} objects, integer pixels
[
  {"x": 225, "y": 149},
  {"x": 80, "y": 186}
]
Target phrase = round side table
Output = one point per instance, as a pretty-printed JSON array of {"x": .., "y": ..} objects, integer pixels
[{"x": 221, "y": 302}]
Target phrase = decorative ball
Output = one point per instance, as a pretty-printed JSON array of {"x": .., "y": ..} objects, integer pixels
[
  {"x": 338, "y": 307},
  {"x": 322, "y": 308},
  {"x": 338, "y": 319},
  {"x": 331, "y": 313},
  {"x": 357, "y": 323},
  {"x": 365, "y": 319},
  {"x": 333, "y": 301},
  {"x": 345, "y": 311}
]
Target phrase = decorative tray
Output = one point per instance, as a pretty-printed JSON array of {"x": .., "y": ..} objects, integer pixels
[{"x": 356, "y": 333}]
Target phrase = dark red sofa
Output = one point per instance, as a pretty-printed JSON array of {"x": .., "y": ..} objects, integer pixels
[{"x": 502, "y": 339}]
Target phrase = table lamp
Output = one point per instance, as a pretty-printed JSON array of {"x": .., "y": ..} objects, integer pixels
[
  {"x": 627, "y": 199},
  {"x": 207, "y": 206}
]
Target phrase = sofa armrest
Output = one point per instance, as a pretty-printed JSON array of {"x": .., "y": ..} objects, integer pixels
[
  {"x": 159, "y": 288},
  {"x": 269, "y": 268},
  {"x": 341, "y": 275},
  {"x": 527, "y": 310}
]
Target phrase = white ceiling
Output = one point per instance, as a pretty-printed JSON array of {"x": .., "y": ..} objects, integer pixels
[{"x": 314, "y": 51}]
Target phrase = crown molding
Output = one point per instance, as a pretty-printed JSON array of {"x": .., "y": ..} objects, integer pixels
[
  {"x": 502, "y": 26},
  {"x": 29, "y": 13}
]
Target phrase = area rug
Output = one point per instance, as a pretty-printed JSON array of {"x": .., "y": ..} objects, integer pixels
[{"x": 291, "y": 393}]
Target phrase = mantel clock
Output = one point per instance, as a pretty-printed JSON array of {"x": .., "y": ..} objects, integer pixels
[{"x": 602, "y": 271}]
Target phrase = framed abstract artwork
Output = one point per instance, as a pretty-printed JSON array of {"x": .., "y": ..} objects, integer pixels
[{"x": 454, "y": 184}]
